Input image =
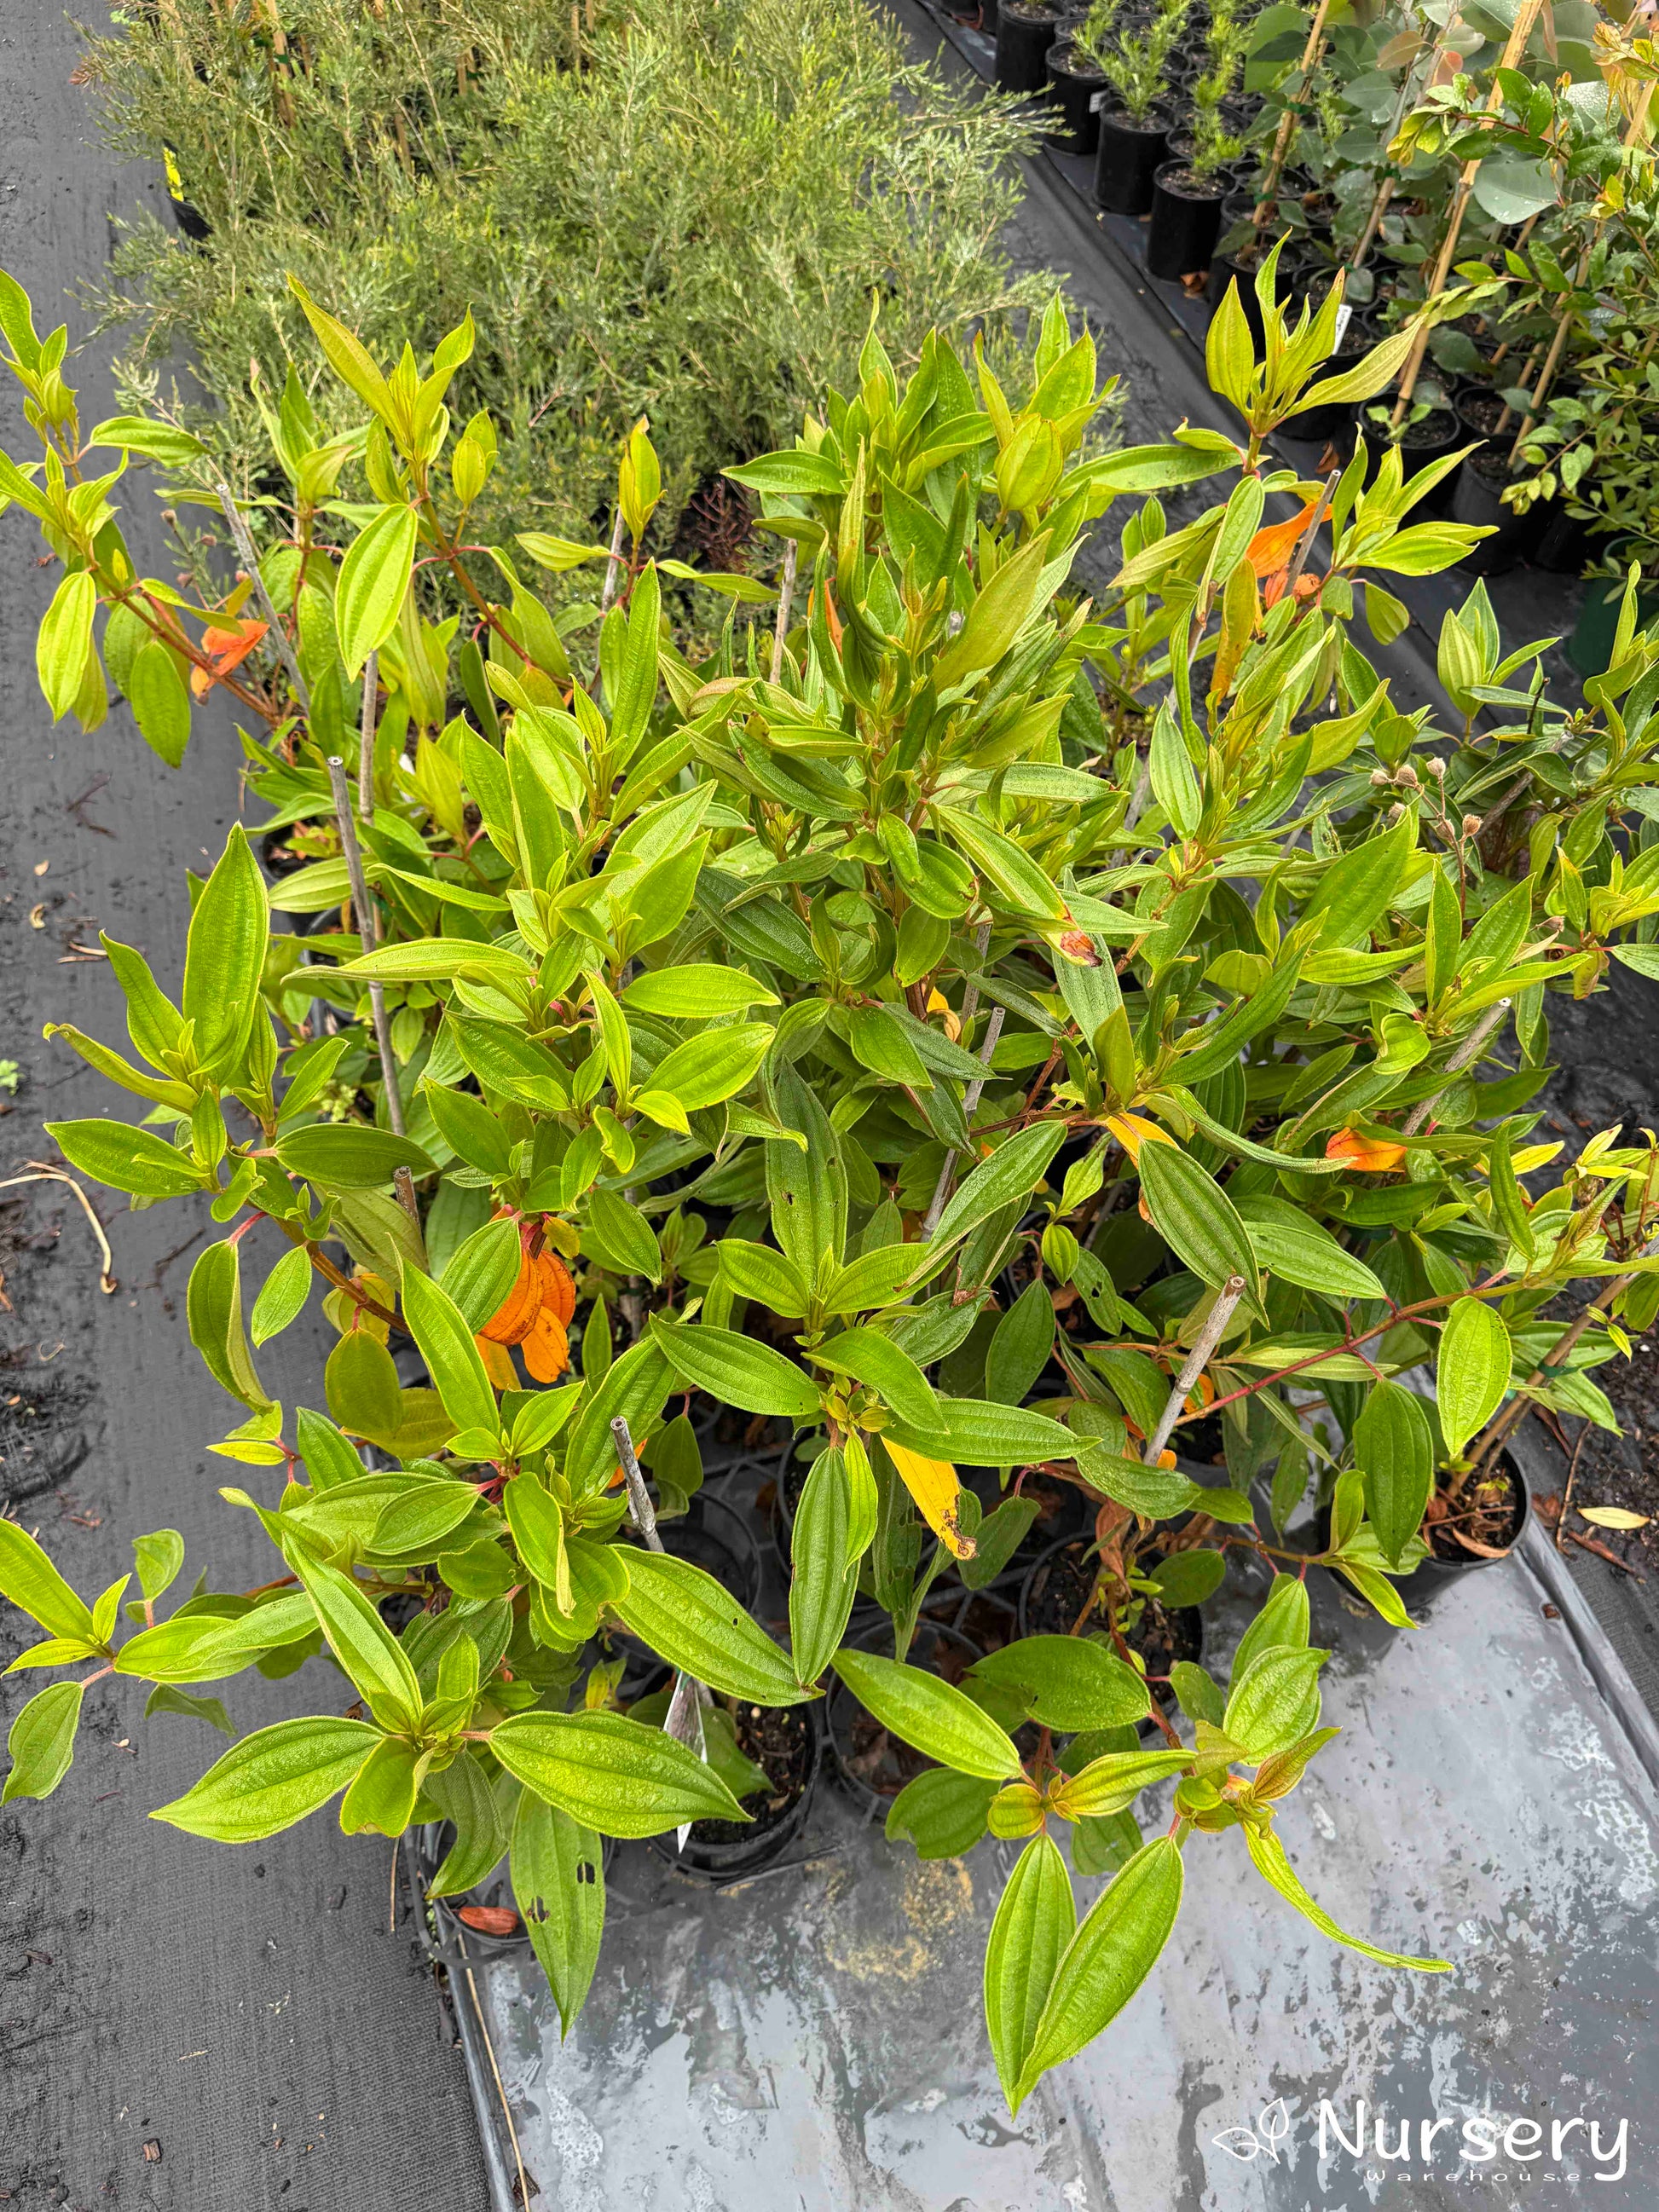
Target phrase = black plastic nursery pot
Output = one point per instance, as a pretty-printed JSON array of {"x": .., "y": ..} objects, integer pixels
[
  {"x": 1449, "y": 1561},
  {"x": 869, "y": 1765},
  {"x": 1129, "y": 155},
  {"x": 1590, "y": 647},
  {"x": 1026, "y": 30},
  {"x": 1186, "y": 222},
  {"x": 1075, "y": 84},
  {"x": 1436, "y": 434},
  {"x": 1477, "y": 498},
  {"x": 1055, "y": 1593},
  {"x": 1325, "y": 425},
  {"x": 787, "y": 1741}
]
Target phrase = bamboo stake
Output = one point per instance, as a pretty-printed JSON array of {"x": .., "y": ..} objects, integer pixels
[
  {"x": 1287, "y": 121},
  {"x": 1304, "y": 544},
  {"x": 366, "y": 752},
  {"x": 1466, "y": 1052},
  {"x": 1514, "y": 46},
  {"x": 237, "y": 523},
  {"x": 684, "y": 1720},
  {"x": 786, "y": 599},
  {"x": 613, "y": 566},
  {"x": 1634, "y": 136},
  {"x": 369, "y": 934},
  {"x": 1194, "y": 1365}
]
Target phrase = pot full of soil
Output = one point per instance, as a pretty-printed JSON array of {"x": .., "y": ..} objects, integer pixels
[
  {"x": 1477, "y": 1527},
  {"x": 1129, "y": 155},
  {"x": 1434, "y": 434},
  {"x": 1026, "y": 29},
  {"x": 1476, "y": 498},
  {"x": 1075, "y": 83},
  {"x": 1054, "y": 1593},
  {"x": 1186, "y": 222},
  {"x": 871, "y": 1765},
  {"x": 777, "y": 1750}
]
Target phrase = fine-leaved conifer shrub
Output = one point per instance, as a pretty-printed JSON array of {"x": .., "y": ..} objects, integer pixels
[{"x": 968, "y": 1026}]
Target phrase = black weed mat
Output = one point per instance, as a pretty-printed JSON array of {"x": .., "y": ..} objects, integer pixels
[{"x": 183, "y": 2028}]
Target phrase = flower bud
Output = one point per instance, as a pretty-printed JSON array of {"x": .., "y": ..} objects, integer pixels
[
  {"x": 1380, "y": 779},
  {"x": 1471, "y": 825},
  {"x": 1406, "y": 776}
]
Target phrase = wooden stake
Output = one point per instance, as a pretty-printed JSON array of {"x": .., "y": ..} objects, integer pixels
[
  {"x": 1286, "y": 122},
  {"x": 786, "y": 599},
  {"x": 368, "y": 931},
  {"x": 1194, "y": 1365},
  {"x": 1514, "y": 46}
]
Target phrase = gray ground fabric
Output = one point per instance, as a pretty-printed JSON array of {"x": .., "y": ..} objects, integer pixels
[
  {"x": 813, "y": 2039},
  {"x": 183, "y": 2028}
]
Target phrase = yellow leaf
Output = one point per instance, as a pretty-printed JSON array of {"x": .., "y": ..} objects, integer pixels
[
  {"x": 932, "y": 1483},
  {"x": 1134, "y": 1130},
  {"x": 1613, "y": 1516},
  {"x": 939, "y": 1004}
]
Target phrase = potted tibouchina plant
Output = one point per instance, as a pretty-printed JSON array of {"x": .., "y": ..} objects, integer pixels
[{"x": 1048, "y": 1143}]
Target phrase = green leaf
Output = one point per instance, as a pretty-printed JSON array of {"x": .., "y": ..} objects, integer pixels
[
  {"x": 1275, "y": 1701},
  {"x": 1072, "y": 1683},
  {"x": 1472, "y": 1370},
  {"x": 612, "y": 1774},
  {"x": 480, "y": 1273},
  {"x": 63, "y": 646},
  {"x": 420, "y": 1517},
  {"x": 207, "y": 1647},
  {"x": 756, "y": 1271},
  {"x": 1022, "y": 1345},
  {"x": 1355, "y": 890},
  {"x": 42, "y": 1740},
  {"x": 374, "y": 1662},
  {"x": 213, "y": 1306},
  {"x": 1394, "y": 1448},
  {"x": 708, "y": 1070},
  {"x": 1291, "y": 1244},
  {"x": 282, "y": 1295},
  {"x": 1283, "y": 1620},
  {"x": 441, "y": 1329},
  {"x": 360, "y": 1381},
  {"x": 159, "y": 1558},
  {"x": 686, "y": 1617},
  {"x": 1013, "y": 1172},
  {"x": 469, "y": 1128},
  {"x": 464, "y": 1795},
  {"x": 943, "y": 1813},
  {"x": 871, "y": 1357},
  {"x": 697, "y": 993},
  {"x": 1111, "y": 1954},
  {"x": 1196, "y": 1219},
  {"x": 557, "y": 1869},
  {"x": 1187, "y": 1578},
  {"x": 134, "y": 1160},
  {"x": 881, "y": 1045},
  {"x": 1106, "y": 1783},
  {"x": 29, "y": 1579},
  {"x": 825, "y": 1582},
  {"x": 1035, "y": 1920},
  {"x": 381, "y": 1799},
  {"x": 372, "y": 581},
  {"x": 168, "y": 1698},
  {"x": 225, "y": 957},
  {"x": 933, "y": 1717},
  {"x": 1273, "y": 1865},
  {"x": 635, "y": 1388},
  {"x": 792, "y": 474},
  {"x": 347, "y": 1156},
  {"x": 272, "y": 1779},
  {"x": 623, "y": 1239},
  {"x": 973, "y": 1433},
  {"x": 736, "y": 1371}
]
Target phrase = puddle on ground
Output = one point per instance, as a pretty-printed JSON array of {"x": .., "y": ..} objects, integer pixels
[{"x": 813, "y": 2041}]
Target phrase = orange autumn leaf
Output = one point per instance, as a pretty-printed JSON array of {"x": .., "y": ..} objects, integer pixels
[
  {"x": 1367, "y": 1155},
  {"x": 558, "y": 1292},
  {"x": 546, "y": 1348},
  {"x": 498, "y": 1366},
  {"x": 513, "y": 1320},
  {"x": 1272, "y": 549},
  {"x": 226, "y": 649}
]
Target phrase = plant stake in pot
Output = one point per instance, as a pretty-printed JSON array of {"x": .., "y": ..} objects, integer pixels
[{"x": 684, "y": 1721}]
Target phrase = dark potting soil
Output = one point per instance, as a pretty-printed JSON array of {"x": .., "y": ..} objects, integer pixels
[
  {"x": 1187, "y": 184},
  {"x": 780, "y": 1739},
  {"x": 1486, "y": 1519},
  {"x": 1624, "y": 1473},
  {"x": 1482, "y": 411},
  {"x": 1060, "y": 1589},
  {"x": 1437, "y": 427}
]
